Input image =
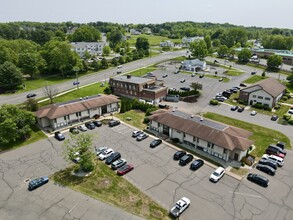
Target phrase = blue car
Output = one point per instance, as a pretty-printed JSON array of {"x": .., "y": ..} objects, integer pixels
[{"x": 33, "y": 184}]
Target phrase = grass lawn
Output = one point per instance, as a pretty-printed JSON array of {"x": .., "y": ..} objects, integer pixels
[
  {"x": 262, "y": 137},
  {"x": 152, "y": 39},
  {"x": 104, "y": 184},
  {"x": 76, "y": 94},
  {"x": 36, "y": 135},
  {"x": 143, "y": 71},
  {"x": 289, "y": 87},
  {"x": 255, "y": 78},
  {"x": 225, "y": 79},
  {"x": 240, "y": 171},
  {"x": 233, "y": 72},
  {"x": 136, "y": 118}
]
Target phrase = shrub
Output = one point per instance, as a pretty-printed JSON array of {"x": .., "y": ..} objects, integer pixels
[
  {"x": 277, "y": 106},
  {"x": 290, "y": 121},
  {"x": 146, "y": 120},
  {"x": 285, "y": 98},
  {"x": 175, "y": 140},
  {"x": 287, "y": 117},
  {"x": 214, "y": 102}
]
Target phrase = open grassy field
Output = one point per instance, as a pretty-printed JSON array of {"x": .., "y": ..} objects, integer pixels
[
  {"x": 153, "y": 40},
  {"x": 104, "y": 184},
  {"x": 136, "y": 118},
  {"x": 143, "y": 71},
  {"x": 261, "y": 137},
  {"x": 233, "y": 72},
  {"x": 254, "y": 79}
]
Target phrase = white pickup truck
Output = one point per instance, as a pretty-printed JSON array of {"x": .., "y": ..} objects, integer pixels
[{"x": 179, "y": 207}]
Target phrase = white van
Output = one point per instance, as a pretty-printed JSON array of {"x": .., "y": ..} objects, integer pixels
[{"x": 279, "y": 160}]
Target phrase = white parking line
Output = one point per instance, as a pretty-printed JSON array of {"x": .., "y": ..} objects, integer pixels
[
  {"x": 72, "y": 208},
  {"x": 245, "y": 194}
]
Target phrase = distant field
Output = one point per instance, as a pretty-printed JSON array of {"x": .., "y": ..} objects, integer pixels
[
  {"x": 153, "y": 40},
  {"x": 255, "y": 79}
]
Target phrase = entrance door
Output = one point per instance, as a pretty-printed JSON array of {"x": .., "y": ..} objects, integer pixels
[
  {"x": 251, "y": 102},
  {"x": 236, "y": 156}
]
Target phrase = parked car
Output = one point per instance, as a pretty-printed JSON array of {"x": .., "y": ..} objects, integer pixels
[
  {"x": 118, "y": 163},
  {"x": 113, "y": 157},
  {"x": 253, "y": 73},
  {"x": 290, "y": 111},
  {"x": 196, "y": 164},
  {"x": 243, "y": 85},
  {"x": 185, "y": 89},
  {"x": 220, "y": 99},
  {"x": 97, "y": 123},
  {"x": 182, "y": 80},
  {"x": 75, "y": 83},
  {"x": 59, "y": 136},
  {"x": 31, "y": 95},
  {"x": 100, "y": 150},
  {"x": 281, "y": 144},
  {"x": 120, "y": 66},
  {"x": 234, "y": 108},
  {"x": 33, "y": 184},
  {"x": 278, "y": 160},
  {"x": 90, "y": 125},
  {"x": 74, "y": 130},
  {"x": 82, "y": 128},
  {"x": 217, "y": 174},
  {"x": 258, "y": 179},
  {"x": 268, "y": 162},
  {"x": 113, "y": 123},
  {"x": 185, "y": 159},
  {"x": 275, "y": 147},
  {"x": 76, "y": 157},
  {"x": 176, "y": 72},
  {"x": 105, "y": 154},
  {"x": 136, "y": 133},
  {"x": 124, "y": 169},
  {"x": 155, "y": 143},
  {"x": 221, "y": 79},
  {"x": 240, "y": 109},
  {"x": 179, "y": 154},
  {"x": 265, "y": 168},
  {"x": 165, "y": 75},
  {"x": 274, "y": 118},
  {"x": 180, "y": 206},
  {"x": 142, "y": 137},
  {"x": 119, "y": 72},
  {"x": 234, "y": 90},
  {"x": 201, "y": 76},
  {"x": 253, "y": 113},
  {"x": 274, "y": 151}
]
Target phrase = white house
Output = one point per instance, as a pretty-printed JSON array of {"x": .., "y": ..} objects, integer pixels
[
  {"x": 188, "y": 40},
  {"x": 65, "y": 114},
  {"x": 167, "y": 43},
  {"x": 216, "y": 139},
  {"x": 93, "y": 48},
  {"x": 266, "y": 92},
  {"x": 193, "y": 65},
  {"x": 134, "y": 32}
]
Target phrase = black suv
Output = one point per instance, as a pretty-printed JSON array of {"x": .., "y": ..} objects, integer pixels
[
  {"x": 97, "y": 123},
  {"x": 155, "y": 143},
  {"x": 266, "y": 168},
  {"x": 281, "y": 150},
  {"x": 268, "y": 162},
  {"x": 59, "y": 136},
  {"x": 281, "y": 145},
  {"x": 196, "y": 164},
  {"x": 185, "y": 159},
  {"x": 258, "y": 179},
  {"x": 179, "y": 154},
  {"x": 90, "y": 125},
  {"x": 113, "y": 123},
  {"x": 113, "y": 157}
]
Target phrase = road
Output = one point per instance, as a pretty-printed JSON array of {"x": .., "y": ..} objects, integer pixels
[{"x": 92, "y": 78}]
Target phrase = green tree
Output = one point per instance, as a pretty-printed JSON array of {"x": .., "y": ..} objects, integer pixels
[
  {"x": 196, "y": 86},
  {"x": 15, "y": 123},
  {"x": 208, "y": 41},
  {"x": 274, "y": 61},
  {"x": 199, "y": 49},
  {"x": 81, "y": 144},
  {"x": 10, "y": 76},
  {"x": 142, "y": 43},
  {"x": 87, "y": 34},
  {"x": 223, "y": 51},
  {"x": 115, "y": 36},
  {"x": 106, "y": 50},
  {"x": 244, "y": 55},
  {"x": 104, "y": 63},
  {"x": 31, "y": 64}
]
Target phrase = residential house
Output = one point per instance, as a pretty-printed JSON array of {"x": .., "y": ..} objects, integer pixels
[
  {"x": 67, "y": 113},
  {"x": 146, "y": 88},
  {"x": 266, "y": 92},
  {"x": 188, "y": 40},
  {"x": 134, "y": 32},
  {"x": 146, "y": 30},
  {"x": 93, "y": 48},
  {"x": 193, "y": 65},
  {"x": 167, "y": 43},
  {"x": 217, "y": 140}
]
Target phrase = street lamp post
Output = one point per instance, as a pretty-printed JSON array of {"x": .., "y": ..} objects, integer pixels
[{"x": 76, "y": 77}]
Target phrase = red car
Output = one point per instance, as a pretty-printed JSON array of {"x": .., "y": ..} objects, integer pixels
[
  {"x": 271, "y": 151},
  {"x": 124, "y": 169}
]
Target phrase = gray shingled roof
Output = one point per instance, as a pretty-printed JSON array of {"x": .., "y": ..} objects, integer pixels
[
  {"x": 220, "y": 134},
  {"x": 61, "y": 109}
]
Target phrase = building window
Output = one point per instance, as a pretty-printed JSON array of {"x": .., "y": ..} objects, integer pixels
[
  {"x": 254, "y": 96},
  {"x": 225, "y": 151},
  {"x": 260, "y": 97},
  {"x": 267, "y": 98},
  {"x": 184, "y": 135},
  {"x": 64, "y": 118}
]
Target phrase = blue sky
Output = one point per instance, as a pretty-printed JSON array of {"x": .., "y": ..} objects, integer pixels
[{"x": 260, "y": 13}]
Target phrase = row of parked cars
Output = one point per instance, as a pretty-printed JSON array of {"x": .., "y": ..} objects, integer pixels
[
  {"x": 114, "y": 159},
  {"x": 221, "y": 97},
  {"x": 269, "y": 163},
  {"x": 185, "y": 158}
]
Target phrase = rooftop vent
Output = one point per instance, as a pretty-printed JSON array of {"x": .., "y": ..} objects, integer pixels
[{"x": 201, "y": 118}]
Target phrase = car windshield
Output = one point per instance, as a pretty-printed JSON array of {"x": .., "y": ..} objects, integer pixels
[{"x": 216, "y": 174}]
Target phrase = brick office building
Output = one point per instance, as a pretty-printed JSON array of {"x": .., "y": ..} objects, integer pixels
[{"x": 147, "y": 88}]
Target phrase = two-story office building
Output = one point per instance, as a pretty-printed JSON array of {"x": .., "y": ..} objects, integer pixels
[
  {"x": 216, "y": 139},
  {"x": 64, "y": 114},
  {"x": 266, "y": 92},
  {"x": 93, "y": 48},
  {"x": 146, "y": 88}
]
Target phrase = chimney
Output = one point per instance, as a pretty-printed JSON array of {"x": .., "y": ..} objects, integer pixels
[{"x": 128, "y": 76}]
